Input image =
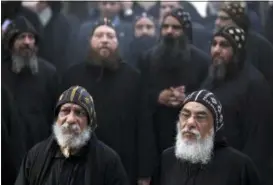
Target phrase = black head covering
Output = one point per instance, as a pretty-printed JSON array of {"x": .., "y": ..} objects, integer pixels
[
  {"x": 79, "y": 96},
  {"x": 237, "y": 12},
  {"x": 184, "y": 19},
  {"x": 235, "y": 35},
  {"x": 209, "y": 100},
  {"x": 18, "y": 26},
  {"x": 100, "y": 22},
  {"x": 143, "y": 15}
]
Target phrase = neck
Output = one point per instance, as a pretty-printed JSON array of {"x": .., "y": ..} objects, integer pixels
[{"x": 67, "y": 152}]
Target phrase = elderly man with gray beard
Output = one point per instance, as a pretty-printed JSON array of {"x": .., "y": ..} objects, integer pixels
[
  {"x": 73, "y": 155},
  {"x": 201, "y": 155},
  {"x": 31, "y": 83}
]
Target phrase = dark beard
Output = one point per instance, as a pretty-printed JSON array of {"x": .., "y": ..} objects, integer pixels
[
  {"x": 19, "y": 63},
  {"x": 218, "y": 71},
  {"x": 221, "y": 71},
  {"x": 112, "y": 62},
  {"x": 171, "y": 53}
]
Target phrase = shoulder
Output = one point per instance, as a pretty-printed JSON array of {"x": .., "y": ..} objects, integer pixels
[
  {"x": 129, "y": 69},
  {"x": 258, "y": 38},
  {"x": 169, "y": 155},
  {"x": 37, "y": 149},
  {"x": 46, "y": 68},
  {"x": 256, "y": 79},
  {"x": 233, "y": 156},
  {"x": 75, "y": 68},
  {"x": 106, "y": 153}
]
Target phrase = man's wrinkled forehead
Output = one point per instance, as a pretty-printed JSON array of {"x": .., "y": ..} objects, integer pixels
[
  {"x": 71, "y": 105},
  {"x": 105, "y": 29}
]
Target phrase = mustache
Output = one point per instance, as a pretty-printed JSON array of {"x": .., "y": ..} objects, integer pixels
[
  {"x": 26, "y": 46},
  {"x": 192, "y": 131},
  {"x": 104, "y": 46},
  {"x": 70, "y": 128}
]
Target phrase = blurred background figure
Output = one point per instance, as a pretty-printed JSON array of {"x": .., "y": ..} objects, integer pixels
[
  {"x": 12, "y": 9},
  {"x": 144, "y": 38},
  {"x": 56, "y": 31},
  {"x": 269, "y": 23}
]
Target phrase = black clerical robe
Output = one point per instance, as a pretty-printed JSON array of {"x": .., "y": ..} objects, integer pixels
[{"x": 95, "y": 164}]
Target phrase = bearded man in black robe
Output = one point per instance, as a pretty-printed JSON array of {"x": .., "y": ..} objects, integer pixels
[
  {"x": 31, "y": 83},
  {"x": 259, "y": 51},
  {"x": 73, "y": 154},
  {"x": 114, "y": 85},
  {"x": 170, "y": 70},
  {"x": 245, "y": 96},
  {"x": 201, "y": 155}
]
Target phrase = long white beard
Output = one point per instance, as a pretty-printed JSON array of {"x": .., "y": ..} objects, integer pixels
[
  {"x": 69, "y": 136},
  {"x": 19, "y": 62},
  {"x": 199, "y": 151}
]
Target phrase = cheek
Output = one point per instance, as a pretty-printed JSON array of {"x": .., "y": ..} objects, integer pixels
[
  {"x": 32, "y": 42},
  {"x": 228, "y": 54},
  {"x": 83, "y": 124},
  {"x": 60, "y": 120},
  {"x": 205, "y": 130},
  {"x": 179, "y": 33},
  {"x": 114, "y": 45},
  {"x": 17, "y": 44},
  {"x": 94, "y": 43}
]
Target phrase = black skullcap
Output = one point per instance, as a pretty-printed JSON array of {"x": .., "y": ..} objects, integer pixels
[
  {"x": 143, "y": 15},
  {"x": 237, "y": 12},
  {"x": 209, "y": 100},
  {"x": 235, "y": 35},
  {"x": 103, "y": 21},
  {"x": 79, "y": 96},
  {"x": 184, "y": 19},
  {"x": 181, "y": 15}
]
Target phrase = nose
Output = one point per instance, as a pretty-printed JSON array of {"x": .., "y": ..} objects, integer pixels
[
  {"x": 71, "y": 118},
  {"x": 191, "y": 123},
  {"x": 216, "y": 49},
  {"x": 145, "y": 30},
  {"x": 169, "y": 29},
  {"x": 27, "y": 40},
  {"x": 104, "y": 39}
]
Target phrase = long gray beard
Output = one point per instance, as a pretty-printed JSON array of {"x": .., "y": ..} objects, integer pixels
[
  {"x": 19, "y": 63},
  {"x": 194, "y": 152},
  {"x": 70, "y": 136}
]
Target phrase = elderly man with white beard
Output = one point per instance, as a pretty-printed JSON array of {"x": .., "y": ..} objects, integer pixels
[
  {"x": 201, "y": 154},
  {"x": 72, "y": 155}
]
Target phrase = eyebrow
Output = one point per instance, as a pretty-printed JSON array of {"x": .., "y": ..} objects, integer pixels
[{"x": 198, "y": 112}]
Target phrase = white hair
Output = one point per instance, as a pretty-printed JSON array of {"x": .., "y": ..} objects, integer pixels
[
  {"x": 19, "y": 62},
  {"x": 70, "y": 135},
  {"x": 199, "y": 151}
]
